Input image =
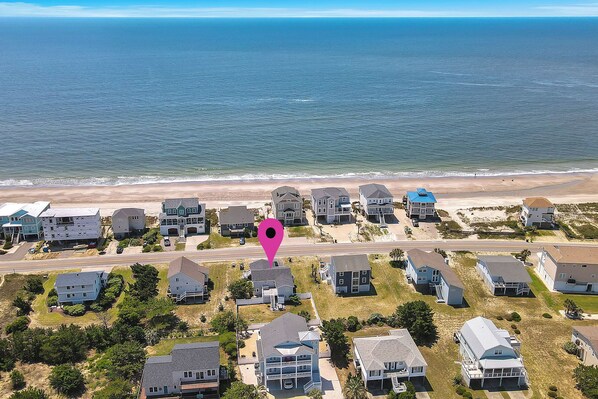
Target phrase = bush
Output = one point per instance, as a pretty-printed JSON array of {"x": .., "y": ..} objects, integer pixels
[
  {"x": 241, "y": 289},
  {"x": 17, "y": 380},
  {"x": 23, "y": 306},
  {"x": 19, "y": 324},
  {"x": 293, "y": 300},
  {"x": 305, "y": 314},
  {"x": 203, "y": 318},
  {"x": 499, "y": 318},
  {"x": 66, "y": 379},
  {"x": 570, "y": 347},
  {"x": 30, "y": 393},
  {"x": 74, "y": 310},
  {"x": 547, "y": 315},
  {"x": 516, "y": 317},
  {"x": 552, "y": 394},
  {"x": 517, "y": 331},
  {"x": 352, "y": 324},
  {"x": 514, "y": 326},
  {"x": 95, "y": 307},
  {"x": 7, "y": 245},
  {"x": 35, "y": 285},
  {"x": 146, "y": 249},
  {"x": 553, "y": 388},
  {"x": 458, "y": 380},
  {"x": 460, "y": 390},
  {"x": 52, "y": 301},
  {"x": 376, "y": 318},
  {"x": 467, "y": 395}
]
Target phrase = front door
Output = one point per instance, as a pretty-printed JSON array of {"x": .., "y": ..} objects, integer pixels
[
  {"x": 589, "y": 288},
  {"x": 201, "y": 375},
  {"x": 165, "y": 389}
]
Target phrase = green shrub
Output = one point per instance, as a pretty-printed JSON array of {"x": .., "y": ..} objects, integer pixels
[
  {"x": 95, "y": 307},
  {"x": 514, "y": 326},
  {"x": 147, "y": 248},
  {"x": 17, "y": 380},
  {"x": 467, "y": 395},
  {"x": 157, "y": 248},
  {"x": 516, "y": 317},
  {"x": 53, "y": 292},
  {"x": 552, "y": 394},
  {"x": 7, "y": 245},
  {"x": 547, "y": 315},
  {"x": 553, "y": 388},
  {"x": 460, "y": 390},
  {"x": 74, "y": 310},
  {"x": 52, "y": 301},
  {"x": 458, "y": 380},
  {"x": 570, "y": 347},
  {"x": 19, "y": 324},
  {"x": 499, "y": 318},
  {"x": 517, "y": 331},
  {"x": 29, "y": 393},
  {"x": 66, "y": 379}
]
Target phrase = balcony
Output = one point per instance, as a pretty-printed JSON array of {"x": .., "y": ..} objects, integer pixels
[
  {"x": 475, "y": 373},
  {"x": 302, "y": 362},
  {"x": 396, "y": 374},
  {"x": 284, "y": 376}
]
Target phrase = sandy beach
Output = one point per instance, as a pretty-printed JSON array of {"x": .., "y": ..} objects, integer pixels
[{"x": 452, "y": 192}]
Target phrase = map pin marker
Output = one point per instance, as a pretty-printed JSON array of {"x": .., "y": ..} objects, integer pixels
[{"x": 270, "y": 233}]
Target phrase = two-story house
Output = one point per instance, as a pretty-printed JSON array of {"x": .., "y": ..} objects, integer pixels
[
  {"x": 504, "y": 275},
  {"x": 376, "y": 201},
  {"x": 187, "y": 280},
  {"x": 331, "y": 204},
  {"x": 586, "y": 339},
  {"x": 569, "y": 269},
  {"x": 72, "y": 224},
  {"x": 349, "y": 274},
  {"x": 287, "y": 206},
  {"x": 22, "y": 221},
  {"x": 489, "y": 354},
  {"x": 421, "y": 204},
  {"x": 235, "y": 221},
  {"x": 288, "y": 353},
  {"x": 189, "y": 371},
  {"x": 429, "y": 270},
  {"x": 182, "y": 216},
  {"x": 126, "y": 221},
  {"x": 388, "y": 361},
  {"x": 79, "y": 287},
  {"x": 273, "y": 284},
  {"x": 537, "y": 211}
]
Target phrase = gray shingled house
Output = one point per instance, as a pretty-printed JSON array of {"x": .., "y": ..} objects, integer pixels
[
  {"x": 273, "y": 284},
  {"x": 287, "y": 206},
  {"x": 235, "y": 220},
  {"x": 350, "y": 274},
  {"x": 376, "y": 201},
  {"x": 189, "y": 370},
  {"x": 331, "y": 204},
  {"x": 504, "y": 275}
]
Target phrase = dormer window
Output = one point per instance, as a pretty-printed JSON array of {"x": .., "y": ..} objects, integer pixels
[{"x": 498, "y": 351}]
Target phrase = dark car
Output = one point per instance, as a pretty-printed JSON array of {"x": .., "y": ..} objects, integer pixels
[
  {"x": 92, "y": 245},
  {"x": 242, "y": 241},
  {"x": 166, "y": 242},
  {"x": 119, "y": 250}
]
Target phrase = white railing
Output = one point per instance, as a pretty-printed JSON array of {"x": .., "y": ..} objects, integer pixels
[{"x": 288, "y": 375}]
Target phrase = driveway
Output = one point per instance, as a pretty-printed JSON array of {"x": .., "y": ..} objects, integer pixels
[
  {"x": 493, "y": 394},
  {"x": 517, "y": 394},
  {"x": 331, "y": 386},
  {"x": 248, "y": 374}
]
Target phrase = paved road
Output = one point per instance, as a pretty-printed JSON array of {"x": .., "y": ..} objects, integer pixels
[{"x": 253, "y": 252}]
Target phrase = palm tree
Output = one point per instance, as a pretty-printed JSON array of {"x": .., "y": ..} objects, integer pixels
[{"x": 354, "y": 388}]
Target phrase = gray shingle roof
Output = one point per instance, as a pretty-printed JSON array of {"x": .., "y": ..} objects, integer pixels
[
  {"x": 350, "y": 263},
  {"x": 434, "y": 260},
  {"x": 333, "y": 192},
  {"x": 510, "y": 269},
  {"x": 262, "y": 264},
  {"x": 283, "y": 330},
  {"x": 281, "y": 275},
  {"x": 374, "y": 190},
  {"x": 396, "y": 347},
  {"x": 285, "y": 192},
  {"x": 189, "y": 268},
  {"x": 236, "y": 215},
  {"x": 186, "y": 202},
  {"x": 128, "y": 212},
  {"x": 158, "y": 370},
  {"x": 77, "y": 278}
]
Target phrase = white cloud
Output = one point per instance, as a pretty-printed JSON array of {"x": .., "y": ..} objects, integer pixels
[{"x": 572, "y": 10}]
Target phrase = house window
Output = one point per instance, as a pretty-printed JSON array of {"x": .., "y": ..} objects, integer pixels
[
  {"x": 84, "y": 294},
  {"x": 417, "y": 369},
  {"x": 341, "y": 281},
  {"x": 498, "y": 352},
  {"x": 341, "y": 274},
  {"x": 562, "y": 275}
]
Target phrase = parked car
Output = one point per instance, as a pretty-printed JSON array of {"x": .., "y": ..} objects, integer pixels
[
  {"x": 242, "y": 241},
  {"x": 415, "y": 222},
  {"x": 92, "y": 245},
  {"x": 288, "y": 384},
  {"x": 166, "y": 242},
  {"x": 31, "y": 250},
  {"x": 119, "y": 250}
]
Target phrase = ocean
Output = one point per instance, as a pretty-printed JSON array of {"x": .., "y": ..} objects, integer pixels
[{"x": 122, "y": 101}]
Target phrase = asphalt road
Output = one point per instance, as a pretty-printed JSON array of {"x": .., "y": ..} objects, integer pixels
[{"x": 253, "y": 252}]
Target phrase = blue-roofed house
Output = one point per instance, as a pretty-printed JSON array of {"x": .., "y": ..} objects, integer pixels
[
  {"x": 22, "y": 221},
  {"x": 420, "y": 204}
]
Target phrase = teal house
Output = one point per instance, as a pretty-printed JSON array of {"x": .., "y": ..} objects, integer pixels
[{"x": 22, "y": 221}]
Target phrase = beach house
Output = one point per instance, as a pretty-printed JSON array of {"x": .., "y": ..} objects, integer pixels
[
  {"x": 376, "y": 202},
  {"x": 236, "y": 221},
  {"x": 287, "y": 206},
  {"x": 79, "y": 287},
  {"x": 191, "y": 370},
  {"x": 22, "y": 221},
  {"x": 126, "y": 221},
  {"x": 420, "y": 204},
  {"x": 273, "y": 284},
  {"x": 569, "y": 269},
  {"x": 182, "y": 216},
  {"x": 489, "y": 356},
  {"x": 187, "y": 280},
  {"x": 537, "y": 211},
  {"x": 349, "y": 274},
  {"x": 388, "y": 361},
  {"x": 586, "y": 339},
  {"x": 429, "y": 271},
  {"x": 288, "y": 354},
  {"x": 504, "y": 275},
  {"x": 72, "y": 224},
  {"x": 331, "y": 204}
]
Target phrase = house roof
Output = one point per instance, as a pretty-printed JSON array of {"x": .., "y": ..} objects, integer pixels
[
  {"x": 350, "y": 263},
  {"x": 282, "y": 336},
  {"x": 583, "y": 255},
  {"x": 481, "y": 335},
  {"x": 332, "y": 192},
  {"x": 189, "y": 268},
  {"x": 184, "y": 357},
  {"x": 77, "y": 278},
  {"x": 285, "y": 192},
  {"x": 10, "y": 208},
  {"x": 35, "y": 209},
  {"x": 510, "y": 269},
  {"x": 374, "y": 190},
  {"x": 128, "y": 212},
  {"x": 434, "y": 260},
  {"x": 590, "y": 334},
  {"x": 69, "y": 212},
  {"x": 396, "y": 347},
  {"x": 236, "y": 215},
  {"x": 177, "y": 202},
  {"x": 537, "y": 202},
  {"x": 281, "y": 275},
  {"x": 421, "y": 195}
]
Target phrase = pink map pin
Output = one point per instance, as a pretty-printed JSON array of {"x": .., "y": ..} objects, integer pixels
[{"x": 270, "y": 233}]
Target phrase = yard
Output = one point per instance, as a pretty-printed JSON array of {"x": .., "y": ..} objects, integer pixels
[
  {"x": 10, "y": 285},
  {"x": 578, "y": 220},
  {"x": 254, "y": 314},
  {"x": 217, "y": 241},
  {"x": 301, "y": 231}
]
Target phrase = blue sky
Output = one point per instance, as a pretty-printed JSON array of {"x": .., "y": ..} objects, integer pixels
[{"x": 298, "y": 8}]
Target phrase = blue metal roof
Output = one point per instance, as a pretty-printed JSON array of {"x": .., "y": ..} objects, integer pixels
[{"x": 421, "y": 195}]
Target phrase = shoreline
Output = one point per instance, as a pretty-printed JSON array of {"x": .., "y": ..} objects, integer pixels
[{"x": 574, "y": 187}]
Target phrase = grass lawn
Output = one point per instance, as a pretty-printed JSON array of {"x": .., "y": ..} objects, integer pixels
[
  {"x": 555, "y": 300},
  {"x": 218, "y": 241},
  {"x": 11, "y": 285},
  {"x": 180, "y": 246},
  {"x": 301, "y": 231},
  {"x": 254, "y": 314}
]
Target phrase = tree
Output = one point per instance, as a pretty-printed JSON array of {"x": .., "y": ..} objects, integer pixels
[
  {"x": 293, "y": 300},
  {"x": 397, "y": 254},
  {"x": 67, "y": 380},
  {"x": 17, "y": 380},
  {"x": 315, "y": 394},
  {"x": 354, "y": 388},
  {"x": 334, "y": 332},
  {"x": 572, "y": 309},
  {"x": 123, "y": 361},
  {"x": 523, "y": 255},
  {"x": 417, "y": 317},
  {"x": 241, "y": 289},
  {"x": 35, "y": 284},
  {"x": 19, "y": 324},
  {"x": 239, "y": 390},
  {"x": 146, "y": 282},
  {"x": 7, "y": 355},
  {"x": 586, "y": 378},
  {"x": 23, "y": 306},
  {"x": 223, "y": 322},
  {"x": 305, "y": 314},
  {"x": 116, "y": 389},
  {"x": 68, "y": 344},
  {"x": 442, "y": 252},
  {"x": 352, "y": 323},
  {"x": 29, "y": 393}
]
